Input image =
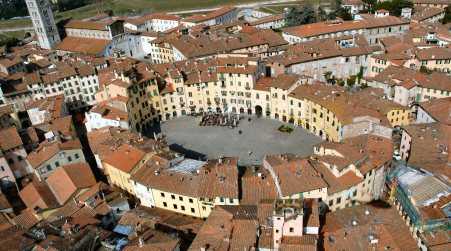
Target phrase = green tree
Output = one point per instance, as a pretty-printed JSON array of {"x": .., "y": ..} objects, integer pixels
[
  {"x": 360, "y": 75},
  {"x": 300, "y": 15},
  {"x": 351, "y": 80},
  {"x": 322, "y": 15},
  {"x": 8, "y": 41},
  {"x": 369, "y": 5},
  {"x": 339, "y": 11},
  {"x": 394, "y": 6},
  {"x": 447, "y": 17},
  {"x": 12, "y": 8}
]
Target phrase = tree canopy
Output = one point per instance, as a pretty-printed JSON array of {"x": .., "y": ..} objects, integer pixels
[
  {"x": 300, "y": 15},
  {"x": 394, "y": 6}
]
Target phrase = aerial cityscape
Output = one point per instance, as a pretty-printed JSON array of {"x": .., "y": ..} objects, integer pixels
[{"x": 225, "y": 125}]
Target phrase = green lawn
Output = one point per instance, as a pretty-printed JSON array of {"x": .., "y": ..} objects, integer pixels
[
  {"x": 16, "y": 34},
  {"x": 14, "y": 23}
]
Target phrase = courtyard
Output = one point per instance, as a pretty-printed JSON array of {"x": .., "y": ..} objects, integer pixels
[{"x": 258, "y": 137}]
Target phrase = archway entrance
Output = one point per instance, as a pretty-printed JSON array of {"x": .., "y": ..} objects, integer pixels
[
  {"x": 241, "y": 110},
  {"x": 258, "y": 111}
]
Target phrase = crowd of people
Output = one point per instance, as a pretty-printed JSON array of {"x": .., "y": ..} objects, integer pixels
[{"x": 219, "y": 119}]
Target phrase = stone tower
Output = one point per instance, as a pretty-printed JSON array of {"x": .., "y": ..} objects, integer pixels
[{"x": 44, "y": 25}]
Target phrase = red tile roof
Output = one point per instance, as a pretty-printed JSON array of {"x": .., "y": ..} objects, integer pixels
[
  {"x": 65, "y": 181},
  {"x": 83, "y": 45},
  {"x": 125, "y": 158},
  {"x": 9, "y": 139}
]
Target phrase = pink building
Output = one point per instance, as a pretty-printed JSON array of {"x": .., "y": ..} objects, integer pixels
[{"x": 287, "y": 220}]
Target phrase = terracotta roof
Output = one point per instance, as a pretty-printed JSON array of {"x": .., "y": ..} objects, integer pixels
[
  {"x": 213, "y": 179},
  {"x": 299, "y": 243},
  {"x": 336, "y": 184},
  {"x": 284, "y": 81},
  {"x": 422, "y": 14},
  {"x": 8, "y": 62},
  {"x": 434, "y": 53},
  {"x": 381, "y": 224},
  {"x": 319, "y": 49},
  {"x": 109, "y": 112},
  {"x": 9, "y": 139},
  {"x": 83, "y": 45},
  {"x": 429, "y": 148},
  {"x": 394, "y": 75},
  {"x": 26, "y": 219},
  {"x": 295, "y": 175},
  {"x": 205, "y": 45},
  {"x": 38, "y": 195},
  {"x": 211, "y": 15},
  {"x": 152, "y": 16},
  {"x": 228, "y": 228},
  {"x": 439, "y": 109},
  {"x": 367, "y": 152},
  {"x": 67, "y": 180},
  {"x": 320, "y": 28},
  {"x": 87, "y": 25},
  {"x": 256, "y": 186},
  {"x": 12, "y": 238},
  {"x": 46, "y": 150},
  {"x": 125, "y": 158}
]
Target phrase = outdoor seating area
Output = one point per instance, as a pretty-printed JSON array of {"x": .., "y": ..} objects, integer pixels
[{"x": 220, "y": 119}]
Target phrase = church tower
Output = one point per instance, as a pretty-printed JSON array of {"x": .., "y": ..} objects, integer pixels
[{"x": 44, "y": 25}]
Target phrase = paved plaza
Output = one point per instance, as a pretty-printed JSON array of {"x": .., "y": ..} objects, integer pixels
[{"x": 259, "y": 137}]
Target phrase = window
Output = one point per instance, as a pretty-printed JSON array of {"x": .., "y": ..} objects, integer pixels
[
  {"x": 291, "y": 229},
  {"x": 175, "y": 206},
  {"x": 57, "y": 164},
  {"x": 221, "y": 199},
  {"x": 172, "y": 196},
  {"x": 190, "y": 200},
  {"x": 77, "y": 156},
  {"x": 338, "y": 200},
  {"x": 204, "y": 208},
  {"x": 49, "y": 168},
  {"x": 2, "y": 168},
  {"x": 162, "y": 195},
  {"x": 69, "y": 158},
  {"x": 182, "y": 207},
  {"x": 165, "y": 204},
  {"x": 180, "y": 198},
  {"x": 192, "y": 210},
  {"x": 331, "y": 203}
]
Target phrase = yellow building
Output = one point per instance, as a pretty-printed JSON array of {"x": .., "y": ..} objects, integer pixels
[
  {"x": 187, "y": 186},
  {"x": 122, "y": 163}
]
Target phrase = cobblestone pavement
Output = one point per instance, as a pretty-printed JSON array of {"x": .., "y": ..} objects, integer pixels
[{"x": 259, "y": 137}]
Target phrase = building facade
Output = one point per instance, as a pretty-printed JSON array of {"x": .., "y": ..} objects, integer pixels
[{"x": 44, "y": 25}]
